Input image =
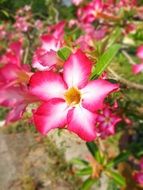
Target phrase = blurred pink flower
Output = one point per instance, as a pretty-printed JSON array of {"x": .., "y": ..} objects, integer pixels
[
  {"x": 138, "y": 177},
  {"x": 89, "y": 12},
  {"x": 76, "y": 2},
  {"x": 137, "y": 68},
  {"x": 140, "y": 52},
  {"x": 70, "y": 99},
  {"x": 106, "y": 122}
]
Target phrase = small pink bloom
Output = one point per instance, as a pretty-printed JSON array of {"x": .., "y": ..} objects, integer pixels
[
  {"x": 137, "y": 68},
  {"x": 69, "y": 99},
  {"x": 140, "y": 52},
  {"x": 45, "y": 57},
  {"x": 138, "y": 177},
  {"x": 106, "y": 122},
  {"x": 21, "y": 24},
  {"x": 76, "y": 2},
  {"x": 89, "y": 13},
  {"x": 57, "y": 30},
  {"x": 13, "y": 54}
]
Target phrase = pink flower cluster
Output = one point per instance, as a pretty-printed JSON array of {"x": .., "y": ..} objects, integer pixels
[
  {"x": 138, "y": 175},
  {"x": 137, "y": 68}
]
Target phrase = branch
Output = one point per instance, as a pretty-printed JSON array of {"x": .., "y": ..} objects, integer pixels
[{"x": 125, "y": 81}]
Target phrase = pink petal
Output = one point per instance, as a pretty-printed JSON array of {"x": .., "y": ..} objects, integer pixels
[
  {"x": 44, "y": 60},
  {"x": 16, "y": 47},
  {"x": 9, "y": 96},
  {"x": 47, "y": 85},
  {"x": 16, "y": 113},
  {"x": 137, "y": 68},
  {"x": 140, "y": 52},
  {"x": 50, "y": 43},
  {"x": 57, "y": 30},
  {"x": 77, "y": 69},
  {"x": 94, "y": 93},
  {"x": 50, "y": 115},
  {"x": 8, "y": 73},
  {"x": 82, "y": 122}
]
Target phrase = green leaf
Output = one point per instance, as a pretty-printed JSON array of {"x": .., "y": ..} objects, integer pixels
[
  {"x": 88, "y": 183},
  {"x": 92, "y": 147},
  {"x": 5, "y": 13},
  {"x": 120, "y": 158},
  {"x": 64, "y": 53},
  {"x": 105, "y": 60},
  {"x": 118, "y": 178},
  {"x": 115, "y": 35},
  {"x": 79, "y": 161},
  {"x": 84, "y": 171}
]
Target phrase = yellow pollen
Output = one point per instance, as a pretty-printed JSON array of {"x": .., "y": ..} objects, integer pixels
[{"x": 72, "y": 96}]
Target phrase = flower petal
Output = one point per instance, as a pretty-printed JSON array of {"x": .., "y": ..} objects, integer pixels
[
  {"x": 50, "y": 115},
  {"x": 94, "y": 93},
  {"x": 16, "y": 113},
  {"x": 9, "y": 96},
  {"x": 50, "y": 43},
  {"x": 44, "y": 60},
  {"x": 47, "y": 85},
  {"x": 137, "y": 68},
  {"x": 77, "y": 69},
  {"x": 82, "y": 122}
]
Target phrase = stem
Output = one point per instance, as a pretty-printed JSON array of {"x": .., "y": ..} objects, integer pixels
[
  {"x": 131, "y": 61},
  {"x": 125, "y": 81}
]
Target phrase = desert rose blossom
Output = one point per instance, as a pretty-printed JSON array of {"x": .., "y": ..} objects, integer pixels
[
  {"x": 139, "y": 52},
  {"x": 57, "y": 30},
  {"x": 88, "y": 13},
  {"x": 76, "y": 2},
  {"x": 69, "y": 100},
  {"x": 45, "y": 57},
  {"x": 138, "y": 177},
  {"x": 13, "y": 54},
  {"x": 14, "y": 78},
  {"x": 106, "y": 122},
  {"x": 137, "y": 68}
]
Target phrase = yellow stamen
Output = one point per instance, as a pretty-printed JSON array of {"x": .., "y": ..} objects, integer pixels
[{"x": 72, "y": 96}]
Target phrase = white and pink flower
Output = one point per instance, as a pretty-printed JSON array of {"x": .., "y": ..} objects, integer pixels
[{"x": 70, "y": 100}]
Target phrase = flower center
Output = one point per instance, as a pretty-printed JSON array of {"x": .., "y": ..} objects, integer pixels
[
  {"x": 72, "y": 96},
  {"x": 107, "y": 119}
]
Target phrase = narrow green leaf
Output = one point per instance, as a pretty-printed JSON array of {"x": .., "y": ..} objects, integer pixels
[
  {"x": 92, "y": 147},
  {"x": 64, "y": 53},
  {"x": 105, "y": 60},
  {"x": 88, "y": 183},
  {"x": 79, "y": 161},
  {"x": 118, "y": 178},
  {"x": 84, "y": 171},
  {"x": 115, "y": 35},
  {"x": 120, "y": 158}
]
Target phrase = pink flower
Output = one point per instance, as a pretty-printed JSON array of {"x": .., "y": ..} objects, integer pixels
[
  {"x": 21, "y": 24},
  {"x": 57, "y": 30},
  {"x": 89, "y": 13},
  {"x": 17, "y": 99},
  {"x": 138, "y": 177},
  {"x": 106, "y": 122},
  {"x": 76, "y": 2},
  {"x": 14, "y": 78},
  {"x": 70, "y": 99},
  {"x": 13, "y": 54},
  {"x": 140, "y": 52},
  {"x": 137, "y": 68},
  {"x": 45, "y": 57}
]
